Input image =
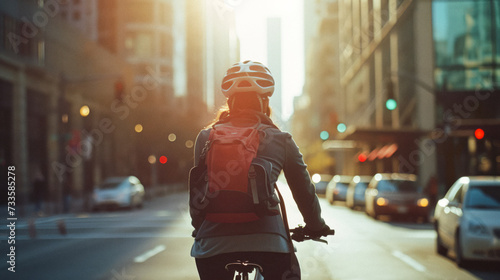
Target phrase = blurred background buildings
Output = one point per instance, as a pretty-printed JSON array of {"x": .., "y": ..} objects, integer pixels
[
  {"x": 424, "y": 55},
  {"x": 91, "y": 89}
]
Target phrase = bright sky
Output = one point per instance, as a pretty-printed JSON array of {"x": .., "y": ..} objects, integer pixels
[{"x": 251, "y": 18}]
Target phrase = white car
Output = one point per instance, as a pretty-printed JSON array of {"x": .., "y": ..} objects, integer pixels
[
  {"x": 336, "y": 190},
  {"x": 320, "y": 182},
  {"x": 467, "y": 220},
  {"x": 118, "y": 192}
]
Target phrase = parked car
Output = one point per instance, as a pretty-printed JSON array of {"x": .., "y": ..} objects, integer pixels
[
  {"x": 467, "y": 220},
  {"x": 320, "y": 181},
  {"x": 356, "y": 191},
  {"x": 337, "y": 188},
  {"x": 396, "y": 194},
  {"x": 119, "y": 192}
]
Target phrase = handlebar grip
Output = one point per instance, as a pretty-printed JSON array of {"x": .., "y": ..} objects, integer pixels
[{"x": 301, "y": 231}]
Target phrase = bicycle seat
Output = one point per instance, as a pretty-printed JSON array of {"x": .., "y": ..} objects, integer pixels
[{"x": 244, "y": 267}]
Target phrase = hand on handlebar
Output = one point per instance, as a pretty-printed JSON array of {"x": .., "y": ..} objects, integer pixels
[
  {"x": 300, "y": 234},
  {"x": 325, "y": 231}
]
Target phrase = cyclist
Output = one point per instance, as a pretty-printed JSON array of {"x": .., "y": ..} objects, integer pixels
[{"x": 247, "y": 86}]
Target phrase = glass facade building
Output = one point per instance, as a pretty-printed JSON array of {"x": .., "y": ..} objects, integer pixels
[{"x": 466, "y": 37}]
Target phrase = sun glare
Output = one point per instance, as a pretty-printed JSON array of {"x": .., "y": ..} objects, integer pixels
[{"x": 251, "y": 28}]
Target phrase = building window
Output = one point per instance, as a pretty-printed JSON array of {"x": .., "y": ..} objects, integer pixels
[
  {"x": 41, "y": 52},
  {"x": 139, "y": 44},
  {"x": 139, "y": 11},
  {"x": 385, "y": 13},
  {"x": 166, "y": 45},
  {"x": 466, "y": 50},
  {"x": 13, "y": 41},
  {"x": 166, "y": 14}
]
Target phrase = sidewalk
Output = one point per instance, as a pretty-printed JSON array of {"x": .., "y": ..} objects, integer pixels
[{"x": 77, "y": 205}]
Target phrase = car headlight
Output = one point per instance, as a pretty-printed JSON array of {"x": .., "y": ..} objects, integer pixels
[
  {"x": 382, "y": 201},
  {"x": 423, "y": 202},
  {"x": 476, "y": 227}
]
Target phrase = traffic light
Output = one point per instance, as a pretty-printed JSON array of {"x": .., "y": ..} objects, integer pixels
[
  {"x": 341, "y": 127},
  {"x": 163, "y": 159},
  {"x": 479, "y": 134},
  {"x": 362, "y": 157},
  {"x": 390, "y": 102},
  {"x": 324, "y": 135}
]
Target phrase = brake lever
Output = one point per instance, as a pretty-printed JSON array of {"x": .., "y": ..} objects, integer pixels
[{"x": 319, "y": 240}]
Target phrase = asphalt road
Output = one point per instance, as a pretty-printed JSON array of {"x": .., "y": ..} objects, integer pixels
[{"x": 154, "y": 243}]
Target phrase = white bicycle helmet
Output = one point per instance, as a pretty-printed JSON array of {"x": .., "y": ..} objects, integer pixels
[{"x": 248, "y": 76}]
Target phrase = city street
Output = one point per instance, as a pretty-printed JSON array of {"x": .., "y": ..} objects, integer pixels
[
  {"x": 154, "y": 243},
  {"x": 107, "y": 102}
]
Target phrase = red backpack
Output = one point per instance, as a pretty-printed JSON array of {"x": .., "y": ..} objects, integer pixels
[{"x": 230, "y": 184}]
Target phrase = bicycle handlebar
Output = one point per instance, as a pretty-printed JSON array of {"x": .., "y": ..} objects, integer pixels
[{"x": 300, "y": 234}]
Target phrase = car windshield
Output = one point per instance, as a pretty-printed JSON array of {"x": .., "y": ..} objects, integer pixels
[
  {"x": 397, "y": 186},
  {"x": 321, "y": 184},
  {"x": 360, "y": 188},
  {"x": 109, "y": 185},
  {"x": 483, "y": 197}
]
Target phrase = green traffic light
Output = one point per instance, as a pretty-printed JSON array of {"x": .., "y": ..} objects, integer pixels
[
  {"x": 341, "y": 127},
  {"x": 324, "y": 135},
  {"x": 391, "y": 104}
]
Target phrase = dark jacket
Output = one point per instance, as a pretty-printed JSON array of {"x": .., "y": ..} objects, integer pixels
[{"x": 278, "y": 148}]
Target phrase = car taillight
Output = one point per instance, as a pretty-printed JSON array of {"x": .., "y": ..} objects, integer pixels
[{"x": 423, "y": 202}]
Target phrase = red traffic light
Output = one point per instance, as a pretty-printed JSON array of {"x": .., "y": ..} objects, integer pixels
[
  {"x": 479, "y": 134},
  {"x": 362, "y": 157},
  {"x": 163, "y": 159}
]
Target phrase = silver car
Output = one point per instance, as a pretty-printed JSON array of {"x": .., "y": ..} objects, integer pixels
[
  {"x": 122, "y": 192},
  {"x": 337, "y": 188},
  {"x": 356, "y": 191},
  {"x": 467, "y": 220}
]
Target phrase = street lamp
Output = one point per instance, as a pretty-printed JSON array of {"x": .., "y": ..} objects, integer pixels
[
  {"x": 154, "y": 176},
  {"x": 84, "y": 111},
  {"x": 189, "y": 144},
  {"x": 172, "y": 137}
]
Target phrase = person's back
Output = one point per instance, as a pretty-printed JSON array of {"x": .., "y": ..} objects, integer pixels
[{"x": 248, "y": 86}]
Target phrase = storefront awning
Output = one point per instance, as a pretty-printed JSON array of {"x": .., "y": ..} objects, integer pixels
[{"x": 383, "y": 152}]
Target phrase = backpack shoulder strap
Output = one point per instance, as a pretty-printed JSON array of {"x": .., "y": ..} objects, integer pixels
[{"x": 283, "y": 214}]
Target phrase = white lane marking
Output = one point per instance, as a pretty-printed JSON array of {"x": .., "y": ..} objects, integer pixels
[
  {"x": 409, "y": 261},
  {"x": 144, "y": 257}
]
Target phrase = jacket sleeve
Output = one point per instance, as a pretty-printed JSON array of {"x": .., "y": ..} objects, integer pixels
[{"x": 301, "y": 186}]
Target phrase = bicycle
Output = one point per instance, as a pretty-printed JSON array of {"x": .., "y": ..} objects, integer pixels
[{"x": 243, "y": 269}]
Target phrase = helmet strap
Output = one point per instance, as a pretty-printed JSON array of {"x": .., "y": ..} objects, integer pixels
[{"x": 265, "y": 106}]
